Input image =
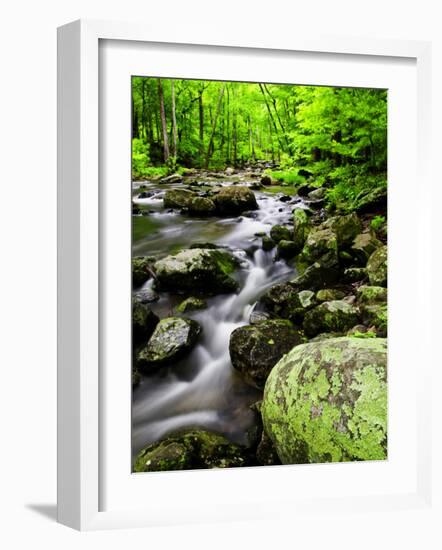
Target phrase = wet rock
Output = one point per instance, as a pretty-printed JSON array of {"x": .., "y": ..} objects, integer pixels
[
  {"x": 234, "y": 200},
  {"x": 305, "y": 189},
  {"x": 255, "y": 350},
  {"x": 141, "y": 269},
  {"x": 377, "y": 267},
  {"x": 173, "y": 178},
  {"x": 191, "y": 304},
  {"x": 320, "y": 274},
  {"x": 327, "y": 402},
  {"x": 334, "y": 316},
  {"x": 178, "y": 198},
  {"x": 258, "y": 316},
  {"x": 301, "y": 227},
  {"x": 329, "y": 294},
  {"x": 146, "y": 296},
  {"x": 280, "y": 232},
  {"x": 363, "y": 246},
  {"x": 136, "y": 378},
  {"x": 286, "y": 249},
  {"x": 144, "y": 322},
  {"x": 266, "y": 180},
  {"x": 135, "y": 209},
  {"x": 209, "y": 246},
  {"x": 189, "y": 450},
  {"x": 171, "y": 340},
  {"x": 201, "y": 206},
  {"x": 370, "y": 295},
  {"x": 286, "y": 301},
  {"x": 285, "y": 198},
  {"x": 197, "y": 270},
  {"x": 268, "y": 243}
]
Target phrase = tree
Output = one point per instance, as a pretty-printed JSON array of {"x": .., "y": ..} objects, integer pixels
[{"x": 163, "y": 121}]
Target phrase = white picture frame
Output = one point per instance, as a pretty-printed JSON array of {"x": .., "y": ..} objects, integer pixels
[{"x": 80, "y": 261}]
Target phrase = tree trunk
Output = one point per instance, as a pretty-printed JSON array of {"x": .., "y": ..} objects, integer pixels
[
  {"x": 163, "y": 121},
  {"x": 174, "y": 131},
  {"x": 212, "y": 134},
  {"x": 201, "y": 122}
]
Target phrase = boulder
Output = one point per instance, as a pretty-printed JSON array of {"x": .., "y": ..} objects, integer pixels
[
  {"x": 363, "y": 246},
  {"x": 287, "y": 249},
  {"x": 173, "y": 178},
  {"x": 334, "y": 316},
  {"x": 178, "y": 198},
  {"x": 201, "y": 206},
  {"x": 329, "y": 294},
  {"x": 377, "y": 267},
  {"x": 172, "y": 339},
  {"x": 255, "y": 349},
  {"x": 317, "y": 194},
  {"x": 189, "y": 450},
  {"x": 234, "y": 200},
  {"x": 258, "y": 316},
  {"x": 371, "y": 201},
  {"x": 197, "y": 270},
  {"x": 191, "y": 304},
  {"x": 266, "y": 180},
  {"x": 327, "y": 402},
  {"x": 144, "y": 322},
  {"x": 286, "y": 301},
  {"x": 266, "y": 454},
  {"x": 146, "y": 296},
  {"x": 141, "y": 269},
  {"x": 280, "y": 232},
  {"x": 346, "y": 228},
  {"x": 320, "y": 241},
  {"x": 267, "y": 243},
  {"x": 320, "y": 274},
  {"x": 301, "y": 227},
  {"x": 376, "y": 315},
  {"x": 370, "y": 295}
]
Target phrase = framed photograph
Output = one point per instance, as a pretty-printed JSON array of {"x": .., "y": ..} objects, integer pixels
[{"x": 230, "y": 218}]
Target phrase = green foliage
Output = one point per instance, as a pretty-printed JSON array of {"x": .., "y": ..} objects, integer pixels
[
  {"x": 377, "y": 222},
  {"x": 289, "y": 176}
]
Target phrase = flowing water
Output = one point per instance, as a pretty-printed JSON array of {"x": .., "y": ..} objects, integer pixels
[{"x": 203, "y": 390}]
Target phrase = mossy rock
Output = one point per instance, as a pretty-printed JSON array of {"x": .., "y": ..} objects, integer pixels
[
  {"x": 189, "y": 450},
  {"x": 234, "y": 200},
  {"x": 329, "y": 294},
  {"x": 202, "y": 206},
  {"x": 191, "y": 304},
  {"x": 377, "y": 267},
  {"x": 141, "y": 269},
  {"x": 376, "y": 315},
  {"x": 334, "y": 316},
  {"x": 327, "y": 402},
  {"x": 287, "y": 301},
  {"x": 197, "y": 270},
  {"x": 370, "y": 295},
  {"x": 320, "y": 242},
  {"x": 266, "y": 454},
  {"x": 355, "y": 274},
  {"x": 363, "y": 246},
  {"x": 280, "y": 232},
  {"x": 171, "y": 340},
  {"x": 255, "y": 349},
  {"x": 346, "y": 228},
  {"x": 320, "y": 274},
  {"x": 144, "y": 322},
  {"x": 286, "y": 249},
  {"x": 178, "y": 198},
  {"x": 301, "y": 227},
  {"x": 267, "y": 243}
]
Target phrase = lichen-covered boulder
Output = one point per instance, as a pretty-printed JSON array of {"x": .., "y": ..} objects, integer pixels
[
  {"x": 189, "y": 450},
  {"x": 234, "y": 200},
  {"x": 280, "y": 232},
  {"x": 320, "y": 242},
  {"x": 301, "y": 227},
  {"x": 363, "y": 246},
  {"x": 346, "y": 228},
  {"x": 191, "y": 304},
  {"x": 141, "y": 269},
  {"x": 178, "y": 198},
  {"x": 144, "y": 322},
  {"x": 255, "y": 349},
  {"x": 371, "y": 294},
  {"x": 329, "y": 294},
  {"x": 171, "y": 340},
  {"x": 334, "y": 316},
  {"x": 201, "y": 206},
  {"x": 287, "y": 301},
  {"x": 376, "y": 315},
  {"x": 327, "y": 402},
  {"x": 377, "y": 267},
  {"x": 197, "y": 270}
]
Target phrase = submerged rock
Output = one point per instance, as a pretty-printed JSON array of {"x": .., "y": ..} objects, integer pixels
[
  {"x": 377, "y": 267},
  {"x": 334, "y": 316},
  {"x": 189, "y": 450},
  {"x": 327, "y": 402},
  {"x": 144, "y": 322},
  {"x": 172, "y": 338},
  {"x": 178, "y": 198},
  {"x": 197, "y": 270},
  {"x": 255, "y": 349},
  {"x": 235, "y": 200}
]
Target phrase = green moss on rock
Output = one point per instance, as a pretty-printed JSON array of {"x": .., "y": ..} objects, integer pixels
[
  {"x": 377, "y": 267},
  {"x": 334, "y": 316}
]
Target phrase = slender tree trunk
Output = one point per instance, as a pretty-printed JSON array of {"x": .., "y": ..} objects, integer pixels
[
  {"x": 212, "y": 134},
  {"x": 174, "y": 131},
  {"x": 201, "y": 122},
  {"x": 135, "y": 131},
  {"x": 163, "y": 121},
  {"x": 271, "y": 117}
]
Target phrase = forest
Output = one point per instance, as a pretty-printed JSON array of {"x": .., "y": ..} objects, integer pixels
[{"x": 259, "y": 274}]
